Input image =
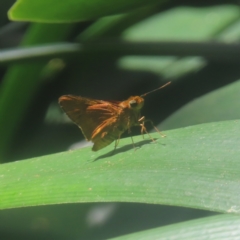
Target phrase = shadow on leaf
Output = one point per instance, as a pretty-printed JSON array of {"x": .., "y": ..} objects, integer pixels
[{"x": 124, "y": 149}]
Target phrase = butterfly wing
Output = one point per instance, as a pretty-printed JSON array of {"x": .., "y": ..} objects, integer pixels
[
  {"x": 97, "y": 119},
  {"x": 106, "y": 133}
]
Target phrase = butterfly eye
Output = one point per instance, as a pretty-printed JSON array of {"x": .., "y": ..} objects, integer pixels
[{"x": 133, "y": 103}]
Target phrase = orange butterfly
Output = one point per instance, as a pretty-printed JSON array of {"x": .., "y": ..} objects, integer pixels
[{"x": 102, "y": 122}]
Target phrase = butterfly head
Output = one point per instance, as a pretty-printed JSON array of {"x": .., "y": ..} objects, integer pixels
[{"x": 135, "y": 103}]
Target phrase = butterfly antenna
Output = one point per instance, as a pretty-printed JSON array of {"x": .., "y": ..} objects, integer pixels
[{"x": 143, "y": 95}]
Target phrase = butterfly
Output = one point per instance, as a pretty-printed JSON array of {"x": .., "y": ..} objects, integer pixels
[{"x": 103, "y": 122}]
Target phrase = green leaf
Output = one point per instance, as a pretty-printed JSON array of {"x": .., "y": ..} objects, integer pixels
[
  {"x": 219, "y": 105},
  {"x": 223, "y": 226},
  {"x": 30, "y": 74},
  {"x": 194, "y": 167},
  {"x": 179, "y": 24},
  {"x": 72, "y": 10}
]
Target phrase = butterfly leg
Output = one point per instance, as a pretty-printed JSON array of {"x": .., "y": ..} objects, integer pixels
[
  {"x": 129, "y": 131},
  {"x": 133, "y": 144},
  {"x": 148, "y": 120},
  {"x": 143, "y": 128},
  {"x": 117, "y": 142}
]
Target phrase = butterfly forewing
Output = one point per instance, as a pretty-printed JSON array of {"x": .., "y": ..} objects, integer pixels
[{"x": 97, "y": 119}]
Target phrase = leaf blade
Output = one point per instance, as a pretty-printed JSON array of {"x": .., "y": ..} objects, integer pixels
[
  {"x": 187, "y": 168},
  {"x": 72, "y": 10},
  {"x": 224, "y": 226}
]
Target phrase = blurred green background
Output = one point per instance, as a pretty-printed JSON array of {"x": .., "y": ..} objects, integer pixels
[{"x": 205, "y": 88}]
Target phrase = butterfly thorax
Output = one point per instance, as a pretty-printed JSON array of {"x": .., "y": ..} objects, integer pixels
[{"x": 130, "y": 113}]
